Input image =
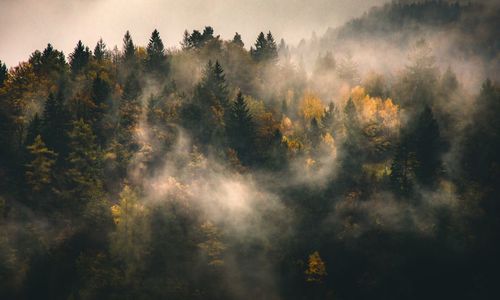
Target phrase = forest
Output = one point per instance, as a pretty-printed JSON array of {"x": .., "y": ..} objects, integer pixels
[{"x": 361, "y": 164}]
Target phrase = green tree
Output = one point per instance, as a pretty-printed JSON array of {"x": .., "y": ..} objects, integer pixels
[
  {"x": 237, "y": 40},
  {"x": 100, "y": 52},
  {"x": 84, "y": 163},
  {"x": 79, "y": 58},
  {"x": 34, "y": 129},
  {"x": 128, "y": 48},
  {"x": 241, "y": 130},
  {"x": 55, "y": 121},
  {"x": 429, "y": 146},
  {"x": 156, "y": 59},
  {"x": 3, "y": 73},
  {"x": 39, "y": 171}
]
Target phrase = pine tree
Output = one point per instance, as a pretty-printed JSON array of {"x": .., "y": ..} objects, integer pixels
[
  {"x": 100, "y": 50},
  {"x": 130, "y": 106},
  {"x": 271, "y": 50},
  {"x": 429, "y": 148},
  {"x": 100, "y": 95},
  {"x": 50, "y": 62},
  {"x": 84, "y": 162},
  {"x": 241, "y": 130},
  {"x": 55, "y": 121},
  {"x": 237, "y": 40},
  {"x": 3, "y": 73},
  {"x": 352, "y": 154},
  {"x": 156, "y": 59},
  {"x": 80, "y": 57},
  {"x": 403, "y": 167},
  {"x": 34, "y": 129},
  {"x": 259, "y": 52},
  {"x": 128, "y": 48},
  {"x": 39, "y": 171}
]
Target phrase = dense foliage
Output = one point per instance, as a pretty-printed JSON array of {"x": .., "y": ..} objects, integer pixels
[{"x": 217, "y": 172}]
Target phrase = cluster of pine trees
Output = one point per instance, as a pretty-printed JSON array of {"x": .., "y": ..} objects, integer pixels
[{"x": 80, "y": 134}]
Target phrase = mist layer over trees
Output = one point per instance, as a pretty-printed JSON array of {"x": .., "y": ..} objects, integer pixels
[{"x": 362, "y": 164}]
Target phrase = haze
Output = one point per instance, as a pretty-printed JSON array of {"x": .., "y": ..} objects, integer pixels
[{"x": 27, "y": 25}]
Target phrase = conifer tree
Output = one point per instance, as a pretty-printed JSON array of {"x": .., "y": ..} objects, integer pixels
[
  {"x": 3, "y": 73},
  {"x": 39, "y": 171},
  {"x": 429, "y": 147},
  {"x": 128, "y": 48},
  {"x": 241, "y": 130},
  {"x": 237, "y": 40},
  {"x": 55, "y": 123},
  {"x": 84, "y": 162},
  {"x": 79, "y": 58},
  {"x": 100, "y": 50},
  {"x": 130, "y": 107},
  {"x": 34, "y": 129},
  {"x": 156, "y": 60}
]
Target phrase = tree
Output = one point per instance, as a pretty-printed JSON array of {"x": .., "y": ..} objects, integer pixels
[
  {"x": 241, "y": 130},
  {"x": 34, "y": 129},
  {"x": 39, "y": 172},
  {"x": 100, "y": 95},
  {"x": 84, "y": 162},
  {"x": 131, "y": 236},
  {"x": 130, "y": 106},
  {"x": 429, "y": 147},
  {"x": 265, "y": 48},
  {"x": 3, "y": 73},
  {"x": 128, "y": 48},
  {"x": 352, "y": 155},
  {"x": 79, "y": 58},
  {"x": 208, "y": 111},
  {"x": 316, "y": 268},
  {"x": 481, "y": 154},
  {"x": 100, "y": 51},
  {"x": 403, "y": 167},
  {"x": 237, "y": 40},
  {"x": 55, "y": 121},
  {"x": 156, "y": 59}
]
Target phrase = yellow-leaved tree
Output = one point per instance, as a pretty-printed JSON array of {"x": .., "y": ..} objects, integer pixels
[
  {"x": 311, "y": 107},
  {"x": 316, "y": 268}
]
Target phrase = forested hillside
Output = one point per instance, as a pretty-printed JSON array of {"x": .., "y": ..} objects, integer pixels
[{"x": 218, "y": 170}]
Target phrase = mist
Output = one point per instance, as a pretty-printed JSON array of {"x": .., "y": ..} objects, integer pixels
[{"x": 330, "y": 150}]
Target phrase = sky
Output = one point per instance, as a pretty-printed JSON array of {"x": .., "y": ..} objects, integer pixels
[{"x": 27, "y": 25}]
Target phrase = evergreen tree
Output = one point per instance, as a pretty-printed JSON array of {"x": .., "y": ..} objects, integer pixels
[
  {"x": 156, "y": 59},
  {"x": 3, "y": 73},
  {"x": 130, "y": 106},
  {"x": 237, "y": 40},
  {"x": 352, "y": 155},
  {"x": 50, "y": 62},
  {"x": 100, "y": 95},
  {"x": 55, "y": 121},
  {"x": 39, "y": 172},
  {"x": 128, "y": 48},
  {"x": 314, "y": 133},
  {"x": 80, "y": 57},
  {"x": 271, "y": 50},
  {"x": 34, "y": 129},
  {"x": 259, "y": 52},
  {"x": 84, "y": 162},
  {"x": 429, "y": 148},
  {"x": 403, "y": 167},
  {"x": 241, "y": 130},
  {"x": 100, "y": 50},
  {"x": 481, "y": 154}
]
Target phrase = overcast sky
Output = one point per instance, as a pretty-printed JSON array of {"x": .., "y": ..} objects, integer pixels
[{"x": 27, "y": 25}]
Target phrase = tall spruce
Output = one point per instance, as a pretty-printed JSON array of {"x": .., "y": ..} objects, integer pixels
[
  {"x": 79, "y": 58},
  {"x": 156, "y": 59},
  {"x": 242, "y": 130},
  {"x": 100, "y": 50}
]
